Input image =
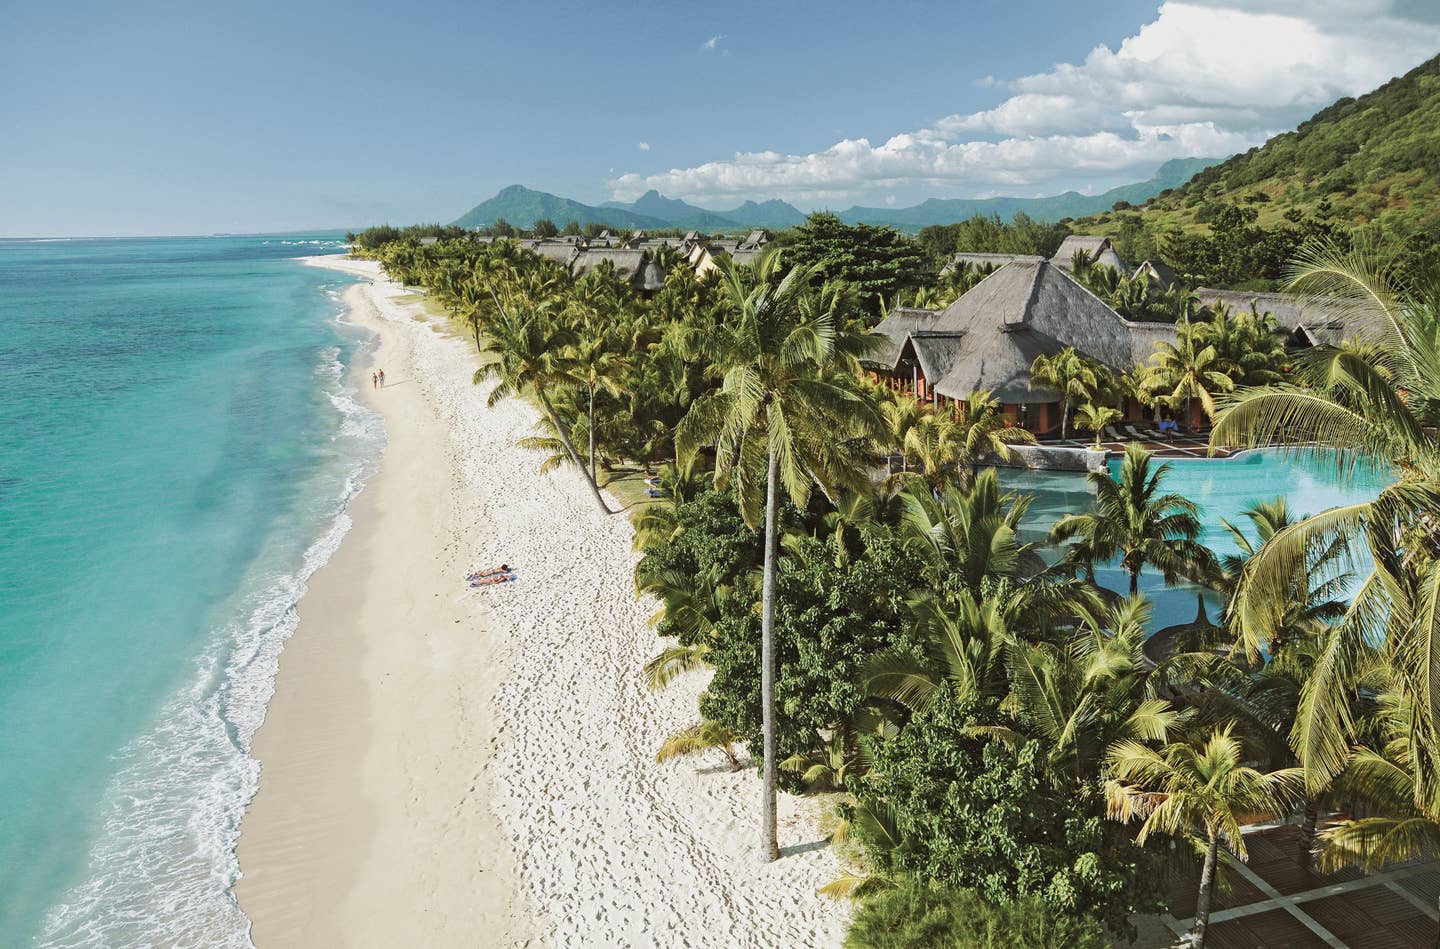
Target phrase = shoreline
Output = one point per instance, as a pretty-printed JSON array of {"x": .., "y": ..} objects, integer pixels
[
  {"x": 358, "y": 721},
  {"x": 448, "y": 766}
]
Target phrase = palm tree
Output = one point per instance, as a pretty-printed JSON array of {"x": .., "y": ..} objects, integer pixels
[
  {"x": 595, "y": 366},
  {"x": 1185, "y": 370},
  {"x": 1249, "y": 348},
  {"x": 1373, "y": 403},
  {"x": 1096, "y": 418},
  {"x": 1295, "y": 634},
  {"x": 1395, "y": 775},
  {"x": 690, "y": 605},
  {"x": 789, "y": 395},
  {"x": 1091, "y": 690},
  {"x": 1314, "y": 598},
  {"x": 932, "y": 443},
  {"x": 984, "y": 432},
  {"x": 962, "y": 642},
  {"x": 956, "y": 535},
  {"x": 901, "y": 413},
  {"x": 1133, "y": 520},
  {"x": 1070, "y": 374},
  {"x": 1198, "y": 789},
  {"x": 527, "y": 349},
  {"x": 706, "y": 736}
]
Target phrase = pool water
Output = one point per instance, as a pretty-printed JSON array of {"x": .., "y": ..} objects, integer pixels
[{"x": 1223, "y": 489}]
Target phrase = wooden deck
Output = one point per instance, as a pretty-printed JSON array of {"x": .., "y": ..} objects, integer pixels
[{"x": 1273, "y": 902}]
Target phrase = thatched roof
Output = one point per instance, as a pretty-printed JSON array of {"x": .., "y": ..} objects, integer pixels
[
  {"x": 1157, "y": 271},
  {"x": 1308, "y": 321},
  {"x": 562, "y": 252},
  {"x": 981, "y": 261},
  {"x": 936, "y": 353},
  {"x": 633, "y": 266},
  {"x": 902, "y": 322},
  {"x": 989, "y": 337},
  {"x": 745, "y": 255},
  {"x": 1098, "y": 250},
  {"x": 757, "y": 237}
]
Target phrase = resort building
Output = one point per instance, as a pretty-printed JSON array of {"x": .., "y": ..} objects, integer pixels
[
  {"x": 1306, "y": 322},
  {"x": 1097, "y": 250},
  {"x": 979, "y": 261},
  {"x": 988, "y": 339},
  {"x": 705, "y": 255},
  {"x": 633, "y": 265},
  {"x": 1157, "y": 272}
]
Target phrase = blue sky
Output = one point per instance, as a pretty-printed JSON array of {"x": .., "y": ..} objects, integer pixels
[{"x": 156, "y": 118}]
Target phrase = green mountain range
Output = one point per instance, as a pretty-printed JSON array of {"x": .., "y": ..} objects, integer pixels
[
  {"x": 1054, "y": 208},
  {"x": 522, "y": 206},
  {"x": 1368, "y": 160}
]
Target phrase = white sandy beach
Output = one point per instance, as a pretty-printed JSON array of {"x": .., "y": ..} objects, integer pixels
[{"x": 446, "y": 766}]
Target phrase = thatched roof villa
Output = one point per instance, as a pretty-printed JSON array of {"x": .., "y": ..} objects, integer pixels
[
  {"x": 979, "y": 261},
  {"x": 1306, "y": 321},
  {"x": 633, "y": 265},
  {"x": 1157, "y": 272},
  {"x": 989, "y": 338},
  {"x": 1097, "y": 250}
]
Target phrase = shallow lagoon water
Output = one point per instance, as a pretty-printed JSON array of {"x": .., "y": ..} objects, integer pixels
[{"x": 179, "y": 443}]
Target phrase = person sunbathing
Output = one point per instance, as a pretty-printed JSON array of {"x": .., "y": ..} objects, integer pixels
[
  {"x": 490, "y": 572},
  {"x": 493, "y": 578}
]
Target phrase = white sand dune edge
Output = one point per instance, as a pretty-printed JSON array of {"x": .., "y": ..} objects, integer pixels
[{"x": 615, "y": 849}]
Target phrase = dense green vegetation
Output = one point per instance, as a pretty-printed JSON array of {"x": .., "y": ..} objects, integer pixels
[
  {"x": 1368, "y": 165},
  {"x": 1001, "y": 754},
  {"x": 878, "y": 262},
  {"x": 919, "y": 915}
]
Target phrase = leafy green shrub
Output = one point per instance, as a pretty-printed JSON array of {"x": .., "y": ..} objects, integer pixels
[
  {"x": 968, "y": 811},
  {"x": 917, "y": 915}
]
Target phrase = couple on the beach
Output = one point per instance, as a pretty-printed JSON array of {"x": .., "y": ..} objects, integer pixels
[
  {"x": 377, "y": 379},
  {"x": 484, "y": 578}
]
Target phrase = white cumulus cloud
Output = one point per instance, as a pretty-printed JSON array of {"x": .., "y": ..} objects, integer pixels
[
  {"x": 712, "y": 42},
  {"x": 643, "y": 146},
  {"x": 1204, "y": 78}
]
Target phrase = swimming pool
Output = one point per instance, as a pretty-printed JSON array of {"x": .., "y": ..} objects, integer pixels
[{"x": 1223, "y": 488}]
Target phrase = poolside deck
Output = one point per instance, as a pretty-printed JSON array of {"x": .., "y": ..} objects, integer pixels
[
  {"x": 1180, "y": 446},
  {"x": 1274, "y": 902}
]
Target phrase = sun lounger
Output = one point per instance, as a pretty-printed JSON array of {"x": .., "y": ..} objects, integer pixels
[
  {"x": 1130, "y": 430},
  {"x": 1111, "y": 434}
]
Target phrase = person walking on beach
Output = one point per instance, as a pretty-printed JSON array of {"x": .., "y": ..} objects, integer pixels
[
  {"x": 374, "y": 381},
  {"x": 382, "y": 377}
]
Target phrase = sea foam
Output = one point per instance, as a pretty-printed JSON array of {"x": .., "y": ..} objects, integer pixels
[{"x": 162, "y": 869}]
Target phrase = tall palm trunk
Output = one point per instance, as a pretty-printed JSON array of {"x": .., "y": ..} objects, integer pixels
[
  {"x": 570, "y": 450},
  {"x": 590, "y": 424},
  {"x": 1307, "y": 833},
  {"x": 1134, "y": 582},
  {"x": 769, "y": 845},
  {"x": 1202, "y": 902},
  {"x": 1064, "y": 418}
]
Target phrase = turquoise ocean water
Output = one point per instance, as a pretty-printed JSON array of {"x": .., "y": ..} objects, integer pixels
[{"x": 180, "y": 440}]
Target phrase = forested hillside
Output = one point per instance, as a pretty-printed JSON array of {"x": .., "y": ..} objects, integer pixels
[{"x": 1364, "y": 166}]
